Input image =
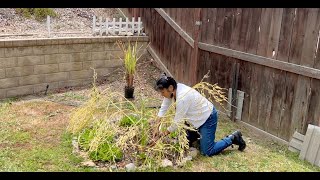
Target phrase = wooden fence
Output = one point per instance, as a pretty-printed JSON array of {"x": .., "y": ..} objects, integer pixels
[{"x": 271, "y": 54}]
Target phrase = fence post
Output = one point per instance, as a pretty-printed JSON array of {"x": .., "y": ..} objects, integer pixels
[
  {"x": 139, "y": 25},
  {"x": 126, "y": 27},
  {"x": 114, "y": 26},
  {"x": 48, "y": 25},
  {"x": 234, "y": 85},
  {"x": 100, "y": 23},
  {"x": 194, "y": 59},
  {"x": 107, "y": 26},
  {"x": 132, "y": 25},
  {"x": 93, "y": 24},
  {"x": 120, "y": 26}
]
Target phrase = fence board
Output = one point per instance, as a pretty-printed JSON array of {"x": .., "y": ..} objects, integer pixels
[
  {"x": 212, "y": 16},
  {"x": 314, "y": 105},
  {"x": 190, "y": 21},
  {"x": 235, "y": 43},
  {"x": 258, "y": 98},
  {"x": 204, "y": 25},
  {"x": 184, "y": 19},
  {"x": 280, "y": 76},
  {"x": 167, "y": 45},
  {"x": 271, "y": 125},
  {"x": 252, "y": 34},
  {"x": 317, "y": 58},
  {"x": 250, "y": 46},
  {"x": 303, "y": 91},
  {"x": 219, "y": 27},
  {"x": 310, "y": 38},
  {"x": 300, "y": 105},
  {"x": 228, "y": 26},
  {"x": 288, "y": 119}
]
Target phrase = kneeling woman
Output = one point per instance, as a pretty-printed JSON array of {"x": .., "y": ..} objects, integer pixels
[{"x": 199, "y": 112}]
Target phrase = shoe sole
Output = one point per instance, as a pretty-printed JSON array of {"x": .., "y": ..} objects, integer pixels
[{"x": 244, "y": 146}]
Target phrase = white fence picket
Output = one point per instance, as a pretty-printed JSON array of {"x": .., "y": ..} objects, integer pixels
[
  {"x": 94, "y": 25},
  {"x": 107, "y": 26},
  {"x": 48, "y": 25},
  {"x": 139, "y": 25},
  {"x": 126, "y": 27},
  {"x": 120, "y": 26},
  {"x": 100, "y": 23},
  {"x": 132, "y": 25},
  {"x": 114, "y": 25}
]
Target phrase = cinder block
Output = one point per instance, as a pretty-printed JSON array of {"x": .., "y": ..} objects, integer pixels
[
  {"x": 3, "y": 93},
  {"x": 56, "y": 77},
  {"x": 115, "y": 55},
  {"x": 84, "y": 74},
  {"x": 93, "y": 64},
  {"x": 23, "y": 90},
  {"x": 82, "y": 41},
  {"x": 47, "y": 49},
  {"x": 72, "y": 66},
  {"x": 46, "y": 69},
  {"x": 8, "y": 62},
  {"x": 112, "y": 46},
  {"x": 114, "y": 63},
  {"x": 79, "y": 57},
  {"x": 2, "y": 73},
  {"x": 16, "y": 43},
  {"x": 100, "y": 55},
  {"x": 55, "y": 41},
  {"x": 311, "y": 145},
  {"x": 8, "y": 83},
  {"x": 71, "y": 83},
  {"x": 33, "y": 79},
  {"x": 57, "y": 58},
  {"x": 19, "y": 71},
  {"x": 67, "y": 48},
  {"x": 41, "y": 42},
  {"x": 96, "y": 47},
  {"x": 72, "y": 48},
  {"x": 43, "y": 87},
  {"x": 1, "y": 52},
  {"x": 62, "y": 41},
  {"x": 295, "y": 144},
  {"x": 18, "y": 51},
  {"x": 103, "y": 72},
  {"x": 8, "y": 44},
  {"x": 30, "y": 60}
]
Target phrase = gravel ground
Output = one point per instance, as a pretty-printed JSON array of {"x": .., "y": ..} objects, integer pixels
[{"x": 70, "y": 22}]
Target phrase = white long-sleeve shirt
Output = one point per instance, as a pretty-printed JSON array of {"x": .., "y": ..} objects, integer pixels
[{"x": 190, "y": 105}]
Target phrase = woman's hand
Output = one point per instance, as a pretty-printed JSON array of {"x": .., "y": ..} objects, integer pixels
[{"x": 158, "y": 136}]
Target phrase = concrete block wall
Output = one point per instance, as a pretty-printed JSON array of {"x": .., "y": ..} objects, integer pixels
[{"x": 28, "y": 66}]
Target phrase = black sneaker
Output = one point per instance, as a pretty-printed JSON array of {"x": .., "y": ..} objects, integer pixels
[{"x": 237, "y": 139}]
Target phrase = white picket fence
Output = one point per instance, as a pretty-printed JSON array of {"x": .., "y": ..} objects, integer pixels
[{"x": 105, "y": 27}]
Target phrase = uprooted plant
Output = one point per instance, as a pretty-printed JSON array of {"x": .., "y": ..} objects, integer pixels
[{"x": 112, "y": 129}]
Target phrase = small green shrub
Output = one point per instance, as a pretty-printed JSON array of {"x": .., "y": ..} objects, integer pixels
[
  {"x": 85, "y": 138},
  {"x": 38, "y": 13},
  {"x": 107, "y": 152},
  {"x": 128, "y": 120}
]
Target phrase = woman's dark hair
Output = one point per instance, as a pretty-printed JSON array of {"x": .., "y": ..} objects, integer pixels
[{"x": 165, "y": 81}]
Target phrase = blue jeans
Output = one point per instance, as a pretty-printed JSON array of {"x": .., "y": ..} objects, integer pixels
[{"x": 207, "y": 131}]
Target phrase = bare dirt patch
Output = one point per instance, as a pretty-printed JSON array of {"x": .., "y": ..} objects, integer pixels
[{"x": 45, "y": 121}]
